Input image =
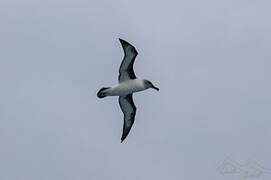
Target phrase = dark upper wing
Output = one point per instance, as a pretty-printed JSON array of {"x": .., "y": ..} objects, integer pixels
[
  {"x": 129, "y": 110},
  {"x": 126, "y": 70}
]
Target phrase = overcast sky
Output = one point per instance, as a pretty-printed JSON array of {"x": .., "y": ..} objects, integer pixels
[{"x": 211, "y": 60}]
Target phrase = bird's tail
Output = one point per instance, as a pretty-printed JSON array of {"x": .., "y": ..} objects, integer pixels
[{"x": 101, "y": 93}]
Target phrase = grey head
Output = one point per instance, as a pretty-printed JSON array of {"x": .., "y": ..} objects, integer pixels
[{"x": 148, "y": 84}]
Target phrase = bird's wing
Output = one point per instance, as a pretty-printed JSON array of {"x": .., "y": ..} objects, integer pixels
[
  {"x": 129, "y": 110},
  {"x": 126, "y": 70}
]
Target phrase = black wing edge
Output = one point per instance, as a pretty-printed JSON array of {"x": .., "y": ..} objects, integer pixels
[
  {"x": 126, "y": 131},
  {"x": 124, "y": 44}
]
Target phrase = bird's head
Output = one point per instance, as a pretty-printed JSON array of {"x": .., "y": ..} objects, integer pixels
[{"x": 148, "y": 84}]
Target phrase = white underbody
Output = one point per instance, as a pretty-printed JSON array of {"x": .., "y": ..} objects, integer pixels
[{"x": 126, "y": 87}]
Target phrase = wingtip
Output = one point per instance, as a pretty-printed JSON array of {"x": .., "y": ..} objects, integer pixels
[
  {"x": 123, "y": 42},
  {"x": 122, "y": 139}
]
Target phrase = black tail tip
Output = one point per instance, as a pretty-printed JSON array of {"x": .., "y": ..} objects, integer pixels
[
  {"x": 101, "y": 93},
  {"x": 101, "y": 96}
]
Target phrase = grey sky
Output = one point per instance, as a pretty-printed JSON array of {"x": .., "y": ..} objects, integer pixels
[{"x": 210, "y": 59}]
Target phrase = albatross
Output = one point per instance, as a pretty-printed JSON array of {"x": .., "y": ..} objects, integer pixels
[{"x": 128, "y": 84}]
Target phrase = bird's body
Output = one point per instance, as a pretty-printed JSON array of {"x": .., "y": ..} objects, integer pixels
[
  {"x": 128, "y": 84},
  {"x": 126, "y": 87}
]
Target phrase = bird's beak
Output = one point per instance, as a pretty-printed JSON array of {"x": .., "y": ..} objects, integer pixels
[{"x": 156, "y": 88}]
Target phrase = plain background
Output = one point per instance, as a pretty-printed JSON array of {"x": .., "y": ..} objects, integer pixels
[{"x": 210, "y": 59}]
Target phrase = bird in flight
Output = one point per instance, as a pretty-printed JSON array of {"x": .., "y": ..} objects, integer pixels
[{"x": 128, "y": 84}]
